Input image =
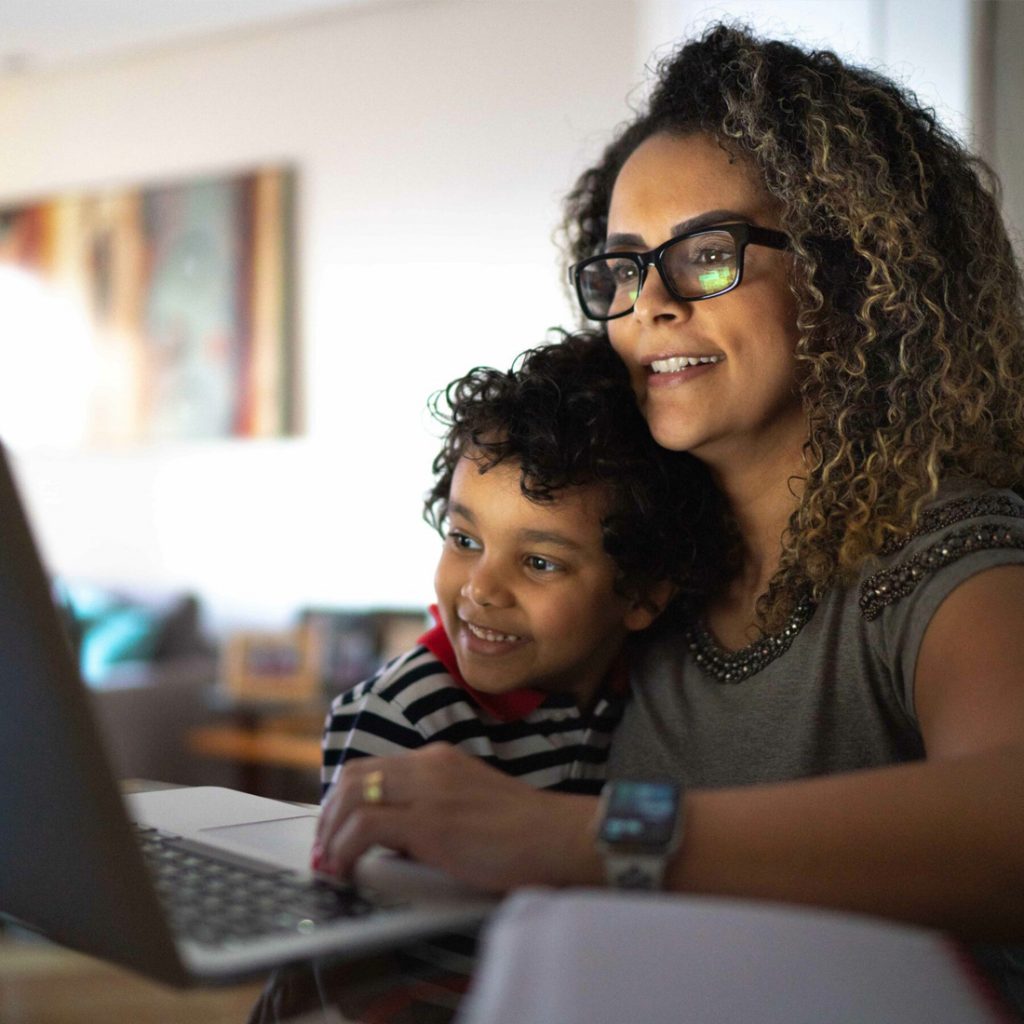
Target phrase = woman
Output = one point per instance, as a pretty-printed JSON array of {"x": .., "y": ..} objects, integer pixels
[{"x": 826, "y": 312}]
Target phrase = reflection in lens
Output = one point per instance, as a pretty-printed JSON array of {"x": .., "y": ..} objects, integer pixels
[
  {"x": 609, "y": 286},
  {"x": 716, "y": 280},
  {"x": 703, "y": 264},
  {"x": 597, "y": 288},
  {"x": 626, "y": 279}
]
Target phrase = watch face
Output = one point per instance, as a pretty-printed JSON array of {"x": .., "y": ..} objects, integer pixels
[{"x": 640, "y": 813}]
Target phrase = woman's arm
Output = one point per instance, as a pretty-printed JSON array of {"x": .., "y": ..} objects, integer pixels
[{"x": 939, "y": 842}]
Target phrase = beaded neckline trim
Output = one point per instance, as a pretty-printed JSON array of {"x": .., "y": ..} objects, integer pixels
[
  {"x": 884, "y": 588},
  {"x": 736, "y": 666},
  {"x": 956, "y": 511},
  {"x": 877, "y": 591}
]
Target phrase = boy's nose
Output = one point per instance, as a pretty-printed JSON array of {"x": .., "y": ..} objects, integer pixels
[
  {"x": 485, "y": 589},
  {"x": 471, "y": 591}
]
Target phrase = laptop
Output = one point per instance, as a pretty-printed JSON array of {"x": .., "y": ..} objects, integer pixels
[{"x": 187, "y": 886}]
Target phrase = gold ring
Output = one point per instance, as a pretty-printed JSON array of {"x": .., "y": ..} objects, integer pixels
[{"x": 373, "y": 787}]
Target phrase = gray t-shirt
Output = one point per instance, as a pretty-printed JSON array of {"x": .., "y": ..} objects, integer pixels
[{"x": 835, "y": 691}]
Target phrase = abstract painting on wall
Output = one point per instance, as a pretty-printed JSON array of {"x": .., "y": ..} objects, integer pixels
[{"x": 188, "y": 289}]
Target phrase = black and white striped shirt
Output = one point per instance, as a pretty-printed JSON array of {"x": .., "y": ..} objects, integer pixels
[{"x": 419, "y": 698}]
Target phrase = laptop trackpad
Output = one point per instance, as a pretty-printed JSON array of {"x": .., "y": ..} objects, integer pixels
[
  {"x": 268, "y": 830},
  {"x": 286, "y": 842}
]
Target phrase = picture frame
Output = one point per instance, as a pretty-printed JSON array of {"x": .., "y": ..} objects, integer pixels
[
  {"x": 273, "y": 667},
  {"x": 184, "y": 291},
  {"x": 347, "y": 644},
  {"x": 400, "y": 630},
  {"x": 353, "y": 645}
]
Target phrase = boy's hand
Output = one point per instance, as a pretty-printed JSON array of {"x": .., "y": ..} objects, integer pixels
[{"x": 453, "y": 812}]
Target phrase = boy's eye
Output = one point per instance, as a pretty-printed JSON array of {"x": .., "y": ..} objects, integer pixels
[
  {"x": 463, "y": 541},
  {"x": 540, "y": 564}
]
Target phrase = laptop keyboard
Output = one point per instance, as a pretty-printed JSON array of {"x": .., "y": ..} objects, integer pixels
[{"x": 219, "y": 900}]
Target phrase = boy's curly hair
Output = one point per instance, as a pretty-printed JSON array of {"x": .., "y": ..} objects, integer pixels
[
  {"x": 911, "y": 347},
  {"x": 565, "y": 414}
]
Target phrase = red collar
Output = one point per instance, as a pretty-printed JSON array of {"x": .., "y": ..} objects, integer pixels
[{"x": 516, "y": 704}]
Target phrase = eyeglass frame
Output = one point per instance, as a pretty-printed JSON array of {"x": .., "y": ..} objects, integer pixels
[{"x": 743, "y": 234}]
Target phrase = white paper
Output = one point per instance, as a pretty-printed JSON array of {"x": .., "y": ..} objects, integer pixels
[{"x": 590, "y": 957}]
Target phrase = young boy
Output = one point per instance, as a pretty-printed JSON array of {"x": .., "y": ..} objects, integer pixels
[{"x": 566, "y": 530}]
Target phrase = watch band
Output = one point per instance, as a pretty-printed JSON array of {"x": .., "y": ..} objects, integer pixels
[
  {"x": 638, "y": 829},
  {"x": 639, "y": 871}
]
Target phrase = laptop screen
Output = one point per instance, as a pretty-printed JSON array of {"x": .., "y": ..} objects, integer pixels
[{"x": 69, "y": 866}]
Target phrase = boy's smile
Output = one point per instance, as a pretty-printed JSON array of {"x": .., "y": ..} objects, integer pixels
[
  {"x": 490, "y": 636},
  {"x": 526, "y": 590}
]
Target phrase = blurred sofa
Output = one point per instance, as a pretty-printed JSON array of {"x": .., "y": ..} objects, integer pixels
[{"x": 150, "y": 669}]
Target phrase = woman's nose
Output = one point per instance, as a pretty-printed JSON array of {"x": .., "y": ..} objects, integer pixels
[{"x": 655, "y": 301}]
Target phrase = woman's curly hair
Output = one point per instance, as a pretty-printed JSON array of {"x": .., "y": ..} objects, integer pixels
[
  {"x": 911, "y": 344},
  {"x": 565, "y": 414}
]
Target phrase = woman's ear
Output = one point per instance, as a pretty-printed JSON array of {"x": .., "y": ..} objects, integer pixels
[{"x": 645, "y": 607}]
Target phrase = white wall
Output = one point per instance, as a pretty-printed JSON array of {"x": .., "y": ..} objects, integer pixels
[
  {"x": 433, "y": 141},
  {"x": 1007, "y": 115},
  {"x": 924, "y": 43}
]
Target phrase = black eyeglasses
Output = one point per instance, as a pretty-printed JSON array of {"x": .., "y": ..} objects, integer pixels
[{"x": 695, "y": 265}]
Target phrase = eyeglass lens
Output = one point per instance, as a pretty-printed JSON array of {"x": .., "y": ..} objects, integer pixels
[{"x": 694, "y": 267}]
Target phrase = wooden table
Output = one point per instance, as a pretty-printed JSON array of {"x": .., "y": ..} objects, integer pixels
[{"x": 41, "y": 983}]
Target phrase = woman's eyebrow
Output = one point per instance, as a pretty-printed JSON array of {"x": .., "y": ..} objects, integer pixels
[
  {"x": 702, "y": 220},
  {"x": 620, "y": 241}
]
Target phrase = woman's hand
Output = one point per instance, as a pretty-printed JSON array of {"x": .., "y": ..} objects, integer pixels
[{"x": 450, "y": 810}]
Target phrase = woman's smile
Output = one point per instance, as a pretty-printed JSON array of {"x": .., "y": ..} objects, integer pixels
[
  {"x": 673, "y": 364},
  {"x": 671, "y": 371}
]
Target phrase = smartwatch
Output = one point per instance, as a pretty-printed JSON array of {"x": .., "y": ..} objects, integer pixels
[{"x": 639, "y": 827}]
